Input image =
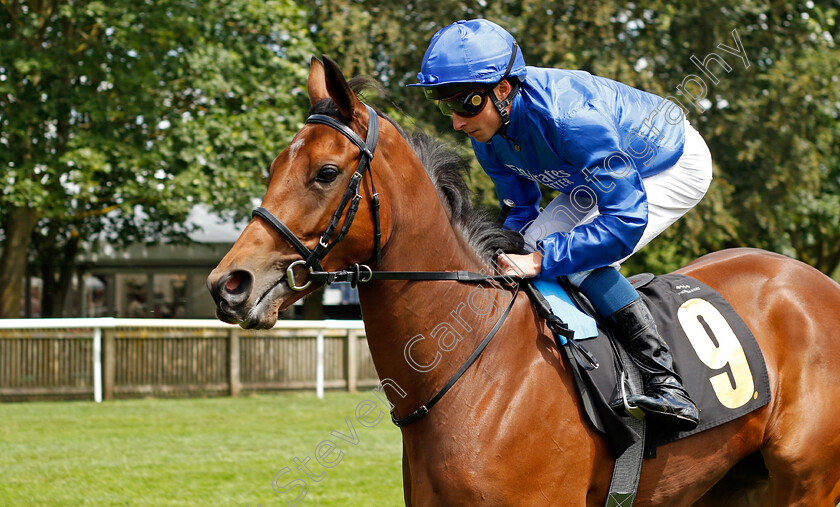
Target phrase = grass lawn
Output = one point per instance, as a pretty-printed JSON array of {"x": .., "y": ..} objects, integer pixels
[{"x": 217, "y": 451}]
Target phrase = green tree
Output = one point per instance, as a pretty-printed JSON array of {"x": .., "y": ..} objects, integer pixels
[
  {"x": 777, "y": 143},
  {"x": 770, "y": 126},
  {"x": 116, "y": 118},
  {"x": 638, "y": 45}
]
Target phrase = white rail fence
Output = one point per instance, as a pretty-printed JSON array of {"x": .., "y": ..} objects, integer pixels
[{"x": 109, "y": 357}]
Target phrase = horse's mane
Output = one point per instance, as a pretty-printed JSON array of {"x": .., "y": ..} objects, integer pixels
[{"x": 448, "y": 171}]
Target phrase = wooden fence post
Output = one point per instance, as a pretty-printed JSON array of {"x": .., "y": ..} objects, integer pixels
[
  {"x": 234, "y": 382},
  {"x": 351, "y": 358},
  {"x": 109, "y": 363}
]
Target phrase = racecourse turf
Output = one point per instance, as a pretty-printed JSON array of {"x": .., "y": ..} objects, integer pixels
[{"x": 201, "y": 452}]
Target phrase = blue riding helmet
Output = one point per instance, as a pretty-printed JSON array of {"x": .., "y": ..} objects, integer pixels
[{"x": 467, "y": 52}]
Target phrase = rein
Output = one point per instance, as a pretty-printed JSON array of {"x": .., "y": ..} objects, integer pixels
[
  {"x": 311, "y": 259},
  {"x": 424, "y": 409}
]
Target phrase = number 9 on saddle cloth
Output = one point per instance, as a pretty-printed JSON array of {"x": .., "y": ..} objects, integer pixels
[{"x": 714, "y": 351}]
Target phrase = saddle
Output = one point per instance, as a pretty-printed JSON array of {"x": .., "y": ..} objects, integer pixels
[{"x": 714, "y": 352}]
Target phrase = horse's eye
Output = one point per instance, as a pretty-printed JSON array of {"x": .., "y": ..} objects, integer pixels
[{"x": 326, "y": 174}]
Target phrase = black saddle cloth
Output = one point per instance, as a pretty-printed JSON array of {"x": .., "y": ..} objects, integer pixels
[{"x": 714, "y": 352}]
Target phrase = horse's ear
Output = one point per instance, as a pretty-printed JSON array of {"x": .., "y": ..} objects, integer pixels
[
  {"x": 339, "y": 90},
  {"x": 317, "y": 84}
]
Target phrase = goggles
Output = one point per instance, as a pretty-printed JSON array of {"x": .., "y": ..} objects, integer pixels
[{"x": 467, "y": 104}]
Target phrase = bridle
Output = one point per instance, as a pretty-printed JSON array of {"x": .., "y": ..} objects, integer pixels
[
  {"x": 311, "y": 259},
  {"x": 358, "y": 273}
]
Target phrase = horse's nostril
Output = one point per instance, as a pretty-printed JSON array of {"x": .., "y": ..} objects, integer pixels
[
  {"x": 233, "y": 283},
  {"x": 236, "y": 287}
]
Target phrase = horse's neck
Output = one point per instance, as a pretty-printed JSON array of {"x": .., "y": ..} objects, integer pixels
[{"x": 434, "y": 315}]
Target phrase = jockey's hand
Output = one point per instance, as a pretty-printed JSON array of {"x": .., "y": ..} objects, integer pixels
[{"x": 522, "y": 266}]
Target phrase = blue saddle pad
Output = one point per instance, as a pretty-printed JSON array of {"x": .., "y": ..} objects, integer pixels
[{"x": 582, "y": 324}]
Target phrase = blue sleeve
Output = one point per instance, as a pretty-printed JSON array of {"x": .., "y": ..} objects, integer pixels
[
  {"x": 591, "y": 142},
  {"x": 524, "y": 193}
]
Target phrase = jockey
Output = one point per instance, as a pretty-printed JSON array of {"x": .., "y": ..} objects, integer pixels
[{"x": 627, "y": 165}]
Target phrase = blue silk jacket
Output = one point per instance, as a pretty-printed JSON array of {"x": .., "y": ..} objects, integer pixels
[{"x": 592, "y": 138}]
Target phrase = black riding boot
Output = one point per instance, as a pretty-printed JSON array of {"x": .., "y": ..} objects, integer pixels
[{"x": 665, "y": 398}]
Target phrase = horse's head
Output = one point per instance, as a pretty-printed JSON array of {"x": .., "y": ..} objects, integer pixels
[{"x": 311, "y": 189}]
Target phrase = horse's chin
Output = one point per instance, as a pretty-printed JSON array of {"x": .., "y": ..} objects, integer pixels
[
  {"x": 267, "y": 311},
  {"x": 264, "y": 321},
  {"x": 248, "y": 319}
]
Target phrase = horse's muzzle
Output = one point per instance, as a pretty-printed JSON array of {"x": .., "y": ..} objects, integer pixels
[{"x": 231, "y": 292}]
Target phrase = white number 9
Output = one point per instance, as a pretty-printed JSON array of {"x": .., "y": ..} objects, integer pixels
[{"x": 729, "y": 351}]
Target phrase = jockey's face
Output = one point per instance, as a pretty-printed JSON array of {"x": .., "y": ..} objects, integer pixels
[{"x": 487, "y": 122}]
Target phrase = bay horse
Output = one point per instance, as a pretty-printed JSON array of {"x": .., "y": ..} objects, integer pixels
[{"x": 511, "y": 431}]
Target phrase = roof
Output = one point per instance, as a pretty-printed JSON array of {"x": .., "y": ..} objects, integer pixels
[{"x": 213, "y": 238}]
